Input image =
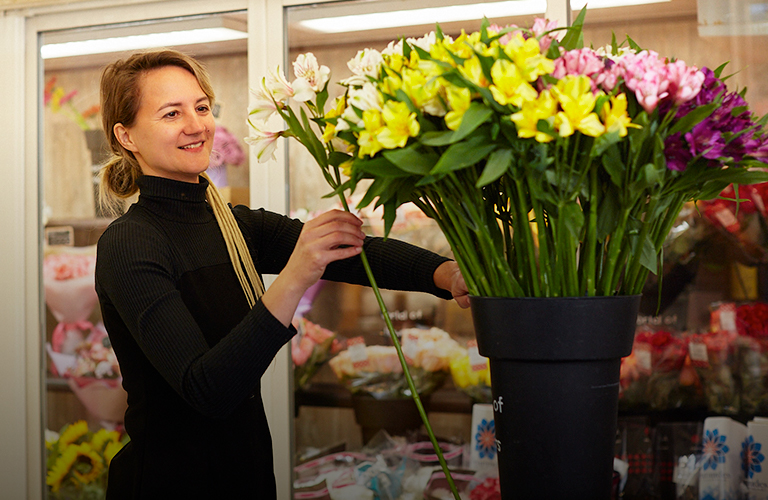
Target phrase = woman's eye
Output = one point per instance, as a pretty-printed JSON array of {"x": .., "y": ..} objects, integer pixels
[
  {"x": 172, "y": 114},
  {"x": 203, "y": 109}
]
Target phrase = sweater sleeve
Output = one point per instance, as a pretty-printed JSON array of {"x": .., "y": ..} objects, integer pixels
[
  {"x": 396, "y": 265},
  {"x": 136, "y": 283}
]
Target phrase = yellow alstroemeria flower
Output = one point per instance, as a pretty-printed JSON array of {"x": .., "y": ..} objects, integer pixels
[
  {"x": 464, "y": 44},
  {"x": 473, "y": 71},
  {"x": 329, "y": 132},
  {"x": 615, "y": 117},
  {"x": 346, "y": 168},
  {"x": 441, "y": 52},
  {"x": 459, "y": 99},
  {"x": 526, "y": 54},
  {"x": 527, "y": 119},
  {"x": 578, "y": 107},
  {"x": 509, "y": 86},
  {"x": 368, "y": 142},
  {"x": 400, "y": 124}
]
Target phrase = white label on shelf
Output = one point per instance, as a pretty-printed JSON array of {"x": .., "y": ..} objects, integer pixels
[
  {"x": 643, "y": 359},
  {"x": 357, "y": 353},
  {"x": 728, "y": 319},
  {"x": 698, "y": 352},
  {"x": 476, "y": 361}
]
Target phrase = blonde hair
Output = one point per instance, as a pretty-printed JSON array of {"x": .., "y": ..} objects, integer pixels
[{"x": 120, "y": 100}]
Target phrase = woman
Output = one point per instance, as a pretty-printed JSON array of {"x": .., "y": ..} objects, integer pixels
[{"x": 178, "y": 279}]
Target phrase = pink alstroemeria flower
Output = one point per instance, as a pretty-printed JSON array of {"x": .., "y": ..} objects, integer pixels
[
  {"x": 541, "y": 26},
  {"x": 684, "y": 82},
  {"x": 579, "y": 62}
]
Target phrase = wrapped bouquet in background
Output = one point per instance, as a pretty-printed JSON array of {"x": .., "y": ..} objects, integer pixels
[
  {"x": 312, "y": 346},
  {"x": 712, "y": 356},
  {"x": 471, "y": 373},
  {"x": 752, "y": 327},
  {"x": 68, "y": 279},
  {"x": 376, "y": 370}
]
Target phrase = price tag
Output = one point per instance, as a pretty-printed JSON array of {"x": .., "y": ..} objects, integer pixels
[
  {"x": 357, "y": 353},
  {"x": 476, "y": 361},
  {"x": 643, "y": 359},
  {"x": 728, "y": 319},
  {"x": 698, "y": 352}
]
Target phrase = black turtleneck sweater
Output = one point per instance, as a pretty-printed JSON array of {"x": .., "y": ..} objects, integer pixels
[{"x": 191, "y": 352}]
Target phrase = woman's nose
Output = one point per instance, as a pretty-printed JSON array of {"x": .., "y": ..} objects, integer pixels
[{"x": 194, "y": 124}]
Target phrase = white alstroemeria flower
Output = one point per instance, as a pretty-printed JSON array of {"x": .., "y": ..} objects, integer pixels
[
  {"x": 265, "y": 142},
  {"x": 302, "y": 90},
  {"x": 425, "y": 43},
  {"x": 363, "y": 98},
  {"x": 305, "y": 66},
  {"x": 393, "y": 48},
  {"x": 264, "y": 106},
  {"x": 365, "y": 64},
  {"x": 277, "y": 85}
]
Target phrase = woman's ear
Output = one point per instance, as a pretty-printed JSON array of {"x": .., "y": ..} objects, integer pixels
[{"x": 124, "y": 137}]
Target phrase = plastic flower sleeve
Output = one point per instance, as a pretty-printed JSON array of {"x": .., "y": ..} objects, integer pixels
[{"x": 69, "y": 283}]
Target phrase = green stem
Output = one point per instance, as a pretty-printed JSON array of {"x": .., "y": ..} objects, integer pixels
[
  {"x": 591, "y": 238},
  {"x": 524, "y": 227},
  {"x": 614, "y": 244},
  {"x": 404, "y": 364}
]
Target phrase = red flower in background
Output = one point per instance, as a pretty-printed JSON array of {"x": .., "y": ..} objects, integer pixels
[{"x": 752, "y": 320}]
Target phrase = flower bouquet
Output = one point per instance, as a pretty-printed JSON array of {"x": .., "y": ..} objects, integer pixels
[
  {"x": 673, "y": 382},
  {"x": 312, "y": 346},
  {"x": 752, "y": 327},
  {"x": 376, "y": 370},
  {"x": 68, "y": 280},
  {"x": 78, "y": 460},
  {"x": 712, "y": 355}
]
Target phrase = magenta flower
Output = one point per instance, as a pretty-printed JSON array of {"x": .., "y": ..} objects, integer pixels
[
  {"x": 706, "y": 141},
  {"x": 677, "y": 153},
  {"x": 226, "y": 149}
]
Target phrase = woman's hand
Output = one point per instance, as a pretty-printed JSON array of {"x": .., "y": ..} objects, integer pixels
[
  {"x": 334, "y": 235},
  {"x": 448, "y": 277}
]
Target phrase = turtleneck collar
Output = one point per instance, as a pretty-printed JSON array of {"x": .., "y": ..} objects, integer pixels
[{"x": 174, "y": 200}]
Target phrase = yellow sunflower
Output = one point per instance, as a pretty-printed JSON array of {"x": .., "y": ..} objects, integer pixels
[
  {"x": 114, "y": 446},
  {"x": 102, "y": 437},
  {"x": 73, "y": 432},
  {"x": 61, "y": 468},
  {"x": 88, "y": 464}
]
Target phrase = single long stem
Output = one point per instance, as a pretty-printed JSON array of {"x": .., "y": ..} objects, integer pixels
[{"x": 404, "y": 364}]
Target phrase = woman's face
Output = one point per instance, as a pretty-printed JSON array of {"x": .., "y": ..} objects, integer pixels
[{"x": 172, "y": 134}]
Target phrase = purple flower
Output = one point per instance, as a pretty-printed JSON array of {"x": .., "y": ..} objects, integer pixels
[
  {"x": 706, "y": 141},
  {"x": 226, "y": 149},
  {"x": 678, "y": 155}
]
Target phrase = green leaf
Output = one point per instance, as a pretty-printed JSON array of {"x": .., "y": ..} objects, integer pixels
[
  {"x": 603, "y": 142},
  {"x": 477, "y": 114},
  {"x": 442, "y": 138},
  {"x": 608, "y": 214},
  {"x": 497, "y": 164},
  {"x": 696, "y": 116},
  {"x": 573, "y": 217},
  {"x": 614, "y": 165},
  {"x": 463, "y": 154},
  {"x": 374, "y": 191},
  {"x": 411, "y": 159},
  {"x": 336, "y": 158},
  {"x": 379, "y": 166},
  {"x": 648, "y": 257},
  {"x": 574, "y": 38}
]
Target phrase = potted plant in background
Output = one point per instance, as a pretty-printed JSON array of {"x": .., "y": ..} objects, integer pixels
[{"x": 556, "y": 173}]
